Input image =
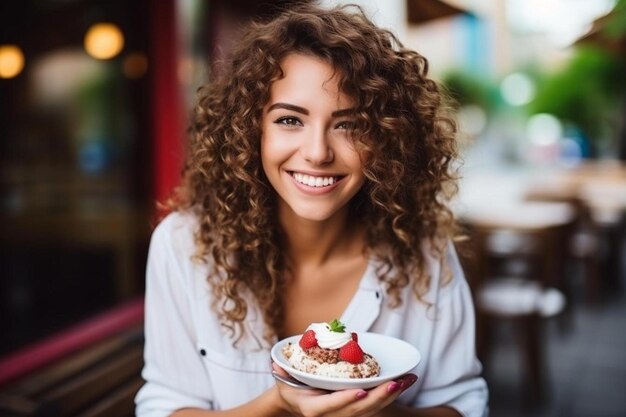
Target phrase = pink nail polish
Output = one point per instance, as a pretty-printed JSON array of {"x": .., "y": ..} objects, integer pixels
[
  {"x": 408, "y": 380},
  {"x": 393, "y": 387},
  {"x": 361, "y": 394}
]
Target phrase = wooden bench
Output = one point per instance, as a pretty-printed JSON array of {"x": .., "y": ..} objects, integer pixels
[{"x": 98, "y": 378}]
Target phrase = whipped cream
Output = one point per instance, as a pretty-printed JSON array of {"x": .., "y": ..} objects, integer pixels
[{"x": 327, "y": 339}]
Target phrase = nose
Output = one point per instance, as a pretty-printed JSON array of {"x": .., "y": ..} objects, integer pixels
[{"x": 316, "y": 147}]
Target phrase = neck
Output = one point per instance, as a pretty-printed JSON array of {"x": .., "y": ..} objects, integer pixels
[{"x": 316, "y": 242}]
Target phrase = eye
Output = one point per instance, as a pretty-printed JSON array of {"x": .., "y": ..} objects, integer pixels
[
  {"x": 288, "y": 121},
  {"x": 345, "y": 125}
]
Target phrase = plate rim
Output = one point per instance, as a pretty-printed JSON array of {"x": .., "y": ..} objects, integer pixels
[{"x": 353, "y": 382}]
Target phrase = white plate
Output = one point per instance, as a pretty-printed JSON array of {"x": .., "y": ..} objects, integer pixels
[{"x": 395, "y": 357}]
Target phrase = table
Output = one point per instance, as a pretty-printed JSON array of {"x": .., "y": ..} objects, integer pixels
[{"x": 599, "y": 186}]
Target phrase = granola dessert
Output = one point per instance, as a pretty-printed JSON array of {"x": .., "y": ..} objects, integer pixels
[{"x": 327, "y": 349}]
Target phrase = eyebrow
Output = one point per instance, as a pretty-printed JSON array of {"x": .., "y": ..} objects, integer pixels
[
  {"x": 288, "y": 106},
  {"x": 302, "y": 110},
  {"x": 343, "y": 112}
]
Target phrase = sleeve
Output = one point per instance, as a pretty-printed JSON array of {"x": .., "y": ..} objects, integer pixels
[
  {"x": 453, "y": 373},
  {"x": 173, "y": 370}
]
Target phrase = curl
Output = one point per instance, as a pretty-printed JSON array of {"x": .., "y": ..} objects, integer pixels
[{"x": 404, "y": 134}]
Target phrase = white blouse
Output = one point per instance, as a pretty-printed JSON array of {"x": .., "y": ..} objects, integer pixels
[{"x": 190, "y": 362}]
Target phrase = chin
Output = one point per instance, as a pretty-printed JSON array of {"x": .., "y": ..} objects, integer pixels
[{"x": 313, "y": 214}]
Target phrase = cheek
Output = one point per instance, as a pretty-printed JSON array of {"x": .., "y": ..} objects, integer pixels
[
  {"x": 276, "y": 146},
  {"x": 266, "y": 154},
  {"x": 363, "y": 152},
  {"x": 265, "y": 142},
  {"x": 352, "y": 157},
  {"x": 273, "y": 155},
  {"x": 267, "y": 145}
]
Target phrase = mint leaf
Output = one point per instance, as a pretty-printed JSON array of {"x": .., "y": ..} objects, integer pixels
[{"x": 337, "y": 326}]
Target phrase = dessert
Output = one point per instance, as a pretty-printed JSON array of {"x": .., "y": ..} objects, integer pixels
[{"x": 327, "y": 349}]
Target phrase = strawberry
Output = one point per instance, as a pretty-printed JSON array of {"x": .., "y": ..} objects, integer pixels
[
  {"x": 355, "y": 337},
  {"x": 351, "y": 352},
  {"x": 308, "y": 340}
]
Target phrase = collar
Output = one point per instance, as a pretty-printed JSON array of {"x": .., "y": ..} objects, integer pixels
[{"x": 365, "y": 306}]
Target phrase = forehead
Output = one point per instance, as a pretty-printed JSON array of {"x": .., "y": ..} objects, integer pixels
[{"x": 306, "y": 76}]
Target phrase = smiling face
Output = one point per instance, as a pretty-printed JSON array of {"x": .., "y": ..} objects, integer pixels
[{"x": 306, "y": 147}]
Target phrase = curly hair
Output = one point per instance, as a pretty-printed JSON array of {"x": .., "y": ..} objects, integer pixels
[{"x": 404, "y": 134}]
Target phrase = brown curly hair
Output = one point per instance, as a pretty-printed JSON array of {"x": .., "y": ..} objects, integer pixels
[{"x": 403, "y": 133}]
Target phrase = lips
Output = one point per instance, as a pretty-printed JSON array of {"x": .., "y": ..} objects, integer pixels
[{"x": 317, "y": 181}]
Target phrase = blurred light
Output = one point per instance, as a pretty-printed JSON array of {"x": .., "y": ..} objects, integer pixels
[
  {"x": 571, "y": 152},
  {"x": 517, "y": 89},
  {"x": 48, "y": 75},
  {"x": 562, "y": 21},
  {"x": 104, "y": 40},
  {"x": 472, "y": 119},
  {"x": 544, "y": 129},
  {"x": 135, "y": 65},
  {"x": 11, "y": 61},
  {"x": 93, "y": 157},
  {"x": 185, "y": 70}
]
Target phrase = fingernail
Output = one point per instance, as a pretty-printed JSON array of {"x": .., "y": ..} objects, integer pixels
[
  {"x": 361, "y": 394},
  {"x": 408, "y": 380},
  {"x": 393, "y": 387}
]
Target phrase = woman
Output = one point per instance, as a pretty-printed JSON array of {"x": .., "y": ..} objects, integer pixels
[{"x": 315, "y": 188}]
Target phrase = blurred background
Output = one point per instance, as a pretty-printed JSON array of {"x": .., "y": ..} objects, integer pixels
[{"x": 94, "y": 102}]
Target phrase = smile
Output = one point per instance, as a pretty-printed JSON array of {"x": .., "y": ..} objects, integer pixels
[{"x": 314, "y": 181}]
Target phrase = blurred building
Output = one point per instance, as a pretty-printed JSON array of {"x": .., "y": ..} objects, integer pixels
[{"x": 94, "y": 97}]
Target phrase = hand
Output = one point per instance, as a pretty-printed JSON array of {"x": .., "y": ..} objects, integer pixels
[{"x": 348, "y": 403}]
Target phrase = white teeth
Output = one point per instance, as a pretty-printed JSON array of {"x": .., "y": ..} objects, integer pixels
[{"x": 312, "y": 181}]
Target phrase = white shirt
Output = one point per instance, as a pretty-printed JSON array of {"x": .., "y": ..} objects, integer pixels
[{"x": 190, "y": 362}]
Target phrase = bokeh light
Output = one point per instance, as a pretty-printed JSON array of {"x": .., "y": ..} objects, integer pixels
[
  {"x": 517, "y": 89},
  {"x": 104, "y": 41},
  {"x": 472, "y": 119},
  {"x": 11, "y": 61},
  {"x": 135, "y": 65},
  {"x": 544, "y": 129}
]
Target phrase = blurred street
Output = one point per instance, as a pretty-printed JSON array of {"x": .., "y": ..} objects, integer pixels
[
  {"x": 95, "y": 99},
  {"x": 587, "y": 367}
]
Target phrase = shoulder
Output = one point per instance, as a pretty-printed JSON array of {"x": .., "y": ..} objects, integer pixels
[
  {"x": 173, "y": 244},
  {"x": 177, "y": 231}
]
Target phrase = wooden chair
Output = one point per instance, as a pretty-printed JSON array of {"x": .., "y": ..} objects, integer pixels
[
  {"x": 517, "y": 272},
  {"x": 584, "y": 247}
]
